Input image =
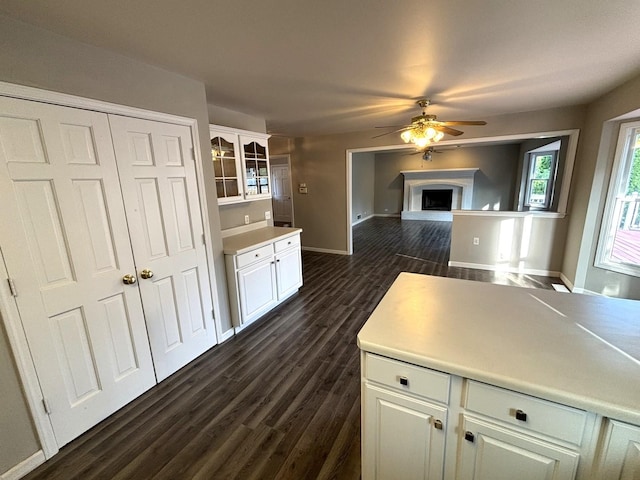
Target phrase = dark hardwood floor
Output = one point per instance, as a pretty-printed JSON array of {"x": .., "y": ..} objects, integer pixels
[{"x": 282, "y": 398}]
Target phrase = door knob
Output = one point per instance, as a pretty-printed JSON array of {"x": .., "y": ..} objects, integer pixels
[
  {"x": 146, "y": 273},
  {"x": 128, "y": 279}
]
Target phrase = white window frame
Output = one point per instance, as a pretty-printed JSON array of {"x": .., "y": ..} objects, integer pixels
[
  {"x": 551, "y": 181},
  {"x": 617, "y": 185}
]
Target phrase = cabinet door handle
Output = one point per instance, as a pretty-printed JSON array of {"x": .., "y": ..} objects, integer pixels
[
  {"x": 404, "y": 381},
  {"x": 438, "y": 424},
  {"x": 520, "y": 415},
  {"x": 469, "y": 437}
]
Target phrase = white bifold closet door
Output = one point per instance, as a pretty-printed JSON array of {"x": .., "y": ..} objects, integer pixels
[
  {"x": 157, "y": 175},
  {"x": 68, "y": 238}
]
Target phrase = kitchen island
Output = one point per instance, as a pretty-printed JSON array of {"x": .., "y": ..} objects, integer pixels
[{"x": 487, "y": 378}]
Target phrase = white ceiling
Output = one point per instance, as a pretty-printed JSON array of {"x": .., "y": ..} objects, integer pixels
[{"x": 329, "y": 66}]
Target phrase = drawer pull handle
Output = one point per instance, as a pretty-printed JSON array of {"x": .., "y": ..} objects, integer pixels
[
  {"x": 404, "y": 381},
  {"x": 520, "y": 415},
  {"x": 469, "y": 437},
  {"x": 257, "y": 255},
  {"x": 437, "y": 424},
  {"x": 288, "y": 243}
]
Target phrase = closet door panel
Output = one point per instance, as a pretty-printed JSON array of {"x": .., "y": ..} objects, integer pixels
[{"x": 159, "y": 187}]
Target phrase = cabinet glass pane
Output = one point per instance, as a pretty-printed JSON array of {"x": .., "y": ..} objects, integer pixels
[
  {"x": 263, "y": 176},
  {"x": 231, "y": 188},
  {"x": 225, "y": 170},
  {"x": 229, "y": 167},
  {"x": 220, "y": 188},
  {"x": 217, "y": 167},
  {"x": 255, "y": 150},
  {"x": 261, "y": 152}
]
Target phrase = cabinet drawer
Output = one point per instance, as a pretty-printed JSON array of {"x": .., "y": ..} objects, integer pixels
[
  {"x": 248, "y": 258},
  {"x": 287, "y": 243},
  {"x": 552, "y": 419},
  {"x": 408, "y": 378}
]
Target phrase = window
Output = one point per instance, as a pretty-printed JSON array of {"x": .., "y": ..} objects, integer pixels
[
  {"x": 619, "y": 245},
  {"x": 542, "y": 175}
]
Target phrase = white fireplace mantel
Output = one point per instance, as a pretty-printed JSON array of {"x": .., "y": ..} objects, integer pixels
[{"x": 460, "y": 180}]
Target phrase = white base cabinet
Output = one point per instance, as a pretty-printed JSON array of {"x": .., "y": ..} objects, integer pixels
[
  {"x": 489, "y": 451},
  {"x": 405, "y": 439},
  {"x": 620, "y": 453},
  {"x": 257, "y": 291},
  {"x": 419, "y": 423},
  {"x": 262, "y": 277}
]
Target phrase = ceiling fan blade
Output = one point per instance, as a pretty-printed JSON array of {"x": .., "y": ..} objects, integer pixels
[
  {"x": 393, "y": 131},
  {"x": 394, "y": 126},
  {"x": 464, "y": 122},
  {"x": 448, "y": 131}
]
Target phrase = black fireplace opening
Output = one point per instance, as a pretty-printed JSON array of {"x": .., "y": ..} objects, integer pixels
[{"x": 437, "y": 199}]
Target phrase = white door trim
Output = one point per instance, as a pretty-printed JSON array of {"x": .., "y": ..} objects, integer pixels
[{"x": 10, "y": 315}]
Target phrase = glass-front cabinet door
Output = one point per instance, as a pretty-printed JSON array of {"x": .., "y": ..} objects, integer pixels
[
  {"x": 256, "y": 167},
  {"x": 226, "y": 166}
]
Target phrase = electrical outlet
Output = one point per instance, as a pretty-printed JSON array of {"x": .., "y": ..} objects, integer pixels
[
  {"x": 246, "y": 220},
  {"x": 476, "y": 240},
  {"x": 267, "y": 215}
]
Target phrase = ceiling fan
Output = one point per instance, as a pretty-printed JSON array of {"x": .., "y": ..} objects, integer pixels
[
  {"x": 427, "y": 153},
  {"x": 425, "y": 129}
]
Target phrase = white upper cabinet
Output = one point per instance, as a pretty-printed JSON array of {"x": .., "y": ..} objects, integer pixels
[{"x": 241, "y": 164}]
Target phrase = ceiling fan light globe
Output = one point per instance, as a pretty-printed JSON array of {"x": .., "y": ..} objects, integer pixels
[
  {"x": 438, "y": 137},
  {"x": 421, "y": 142},
  {"x": 406, "y": 136},
  {"x": 430, "y": 132}
]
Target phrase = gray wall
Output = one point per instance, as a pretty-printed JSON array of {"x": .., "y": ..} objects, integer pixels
[
  {"x": 494, "y": 183},
  {"x": 527, "y": 243},
  {"x": 18, "y": 440},
  {"x": 589, "y": 189},
  {"x": 233, "y": 215},
  {"x": 362, "y": 186}
]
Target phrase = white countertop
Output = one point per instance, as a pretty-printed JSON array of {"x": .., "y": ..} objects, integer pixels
[
  {"x": 579, "y": 350},
  {"x": 243, "y": 242}
]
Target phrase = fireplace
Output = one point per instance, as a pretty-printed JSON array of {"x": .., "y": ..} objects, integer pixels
[
  {"x": 437, "y": 199},
  {"x": 456, "y": 182}
]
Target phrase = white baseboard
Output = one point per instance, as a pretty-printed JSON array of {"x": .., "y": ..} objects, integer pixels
[
  {"x": 24, "y": 467},
  {"x": 501, "y": 268},
  {"x": 226, "y": 335},
  {"x": 433, "y": 215},
  {"x": 362, "y": 220},
  {"x": 584, "y": 291},
  {"x": 325, "y": 250},
  {"x": 395, "y": 215},
  {"x": 568, "y": 283}
]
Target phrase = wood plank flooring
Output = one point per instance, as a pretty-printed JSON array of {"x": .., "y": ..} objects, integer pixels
[{"x": 281, "y": 400}]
